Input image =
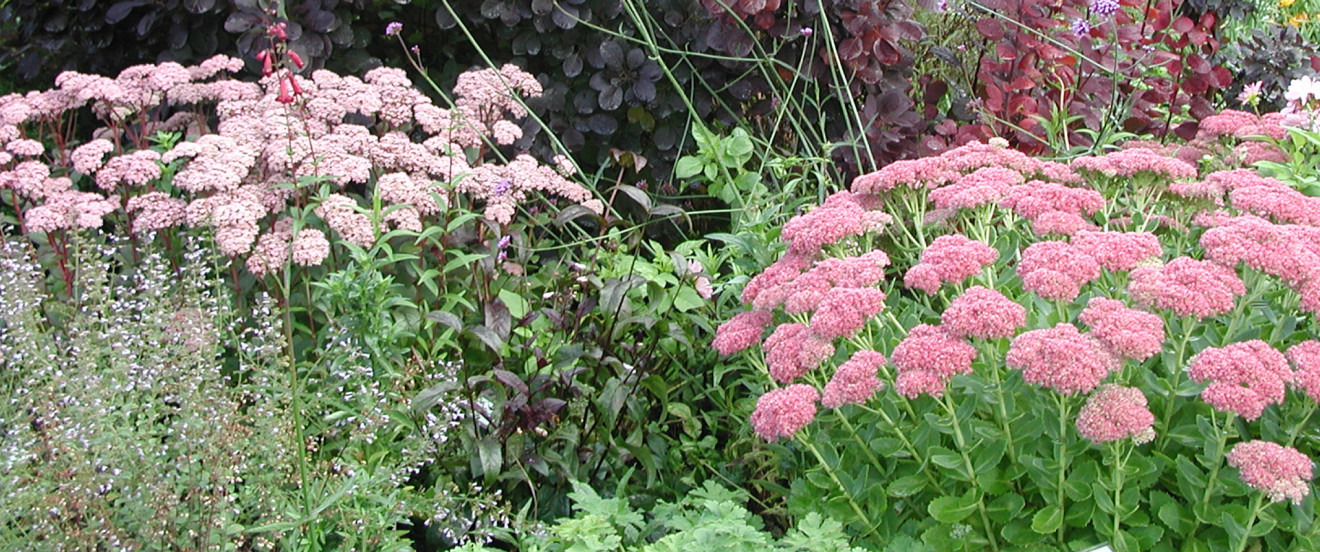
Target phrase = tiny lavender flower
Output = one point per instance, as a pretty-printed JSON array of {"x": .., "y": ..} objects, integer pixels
[
  {"x": 1282, "y": 472},
  {"x": 393, "y": 28},
  {"x": 1081, "y": 28},
  {"x": 1104, "y": 8}
]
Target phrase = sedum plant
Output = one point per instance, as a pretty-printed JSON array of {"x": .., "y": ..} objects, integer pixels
[{"x": 986, "y": 350}]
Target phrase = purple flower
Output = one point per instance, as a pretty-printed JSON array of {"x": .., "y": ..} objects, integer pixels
[
  {"x": 805, "y": 31},
  {"x": 503, "y": 187},
  {"x": 1104, "y": 8},
  {"x": 1081, "y": 28},
  {"x": 415, "y": 49},
  {"x": 393, "y": 28},
  {"x": 504, "y": 242}
]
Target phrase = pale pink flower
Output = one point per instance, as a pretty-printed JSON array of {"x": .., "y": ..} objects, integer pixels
[
  {"x": 1113, "y": 412},
  {"x": 949, "y": 259},
  {"x": 1283, "y": 204},
  {"x": 1305, "y": 356},
  {"x": 927, "y": 359},
  {"x": 1061, "y": 359},
  {"x": 854, "y": 381},
  {"x": 269, "y": 254},
  {"x": 310, "y": 247},
  {"x": 1281, "y": 472},
  {"x": 156, "y": 211},
  {"x": 1128, "y": 333},
  {"x": 791, "y": 351},
  {"x": 70, "y": 209},
  {"x": 1118, "y": 251},
  {"x": 1286, "y": 251},
  {"x": 780, "y": 413},
  {"x": 703, "y": 287},
  {"x": 1131, "y": 162},
  {"x": 986, "y": 185},
  {"x": 844, "y": 311},
  {"x": 1244, "y": 377},
  {"x": 741, "y": 331},
  {"x": 25, "y": 148},
  {"x": 135, "y": 169},
  {"x": 782, "y": 271},
  {"x": 1187, "y": 287},
  {"x": 404, "y": 218},
  {"x": 338, "y": 211},
  {"x": 983, "y": 313}
]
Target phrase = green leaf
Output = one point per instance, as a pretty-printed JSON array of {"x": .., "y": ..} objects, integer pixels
[
  {"x": 1047, "y": 520},
  {"x": 518, "y": 306},
  {"x": 687, "y": 167},
  {"x": 488, "y": 336},
  {"x": 446, "y": 318},
  {"x": 951, "y": 509},
  {"x": 906, "y": 486},
  {"x": 688, "y": 299},
  {"x": 637, "y": 195},
  {"x": 490, "y": 456}
]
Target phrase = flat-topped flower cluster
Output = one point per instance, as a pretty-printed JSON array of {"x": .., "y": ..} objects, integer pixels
[
  {"x": 236, "y": 173},
  {"x": 1096, "y": 286}
]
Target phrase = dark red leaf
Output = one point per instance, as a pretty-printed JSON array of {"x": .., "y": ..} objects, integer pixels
[{"x": 1183, "y": 24}]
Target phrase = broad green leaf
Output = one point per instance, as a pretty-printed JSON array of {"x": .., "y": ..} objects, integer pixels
[{"x": 1047, "y": 520}]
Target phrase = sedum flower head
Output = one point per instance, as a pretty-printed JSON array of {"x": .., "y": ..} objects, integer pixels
[
  {"x": 780, "y": 413},
  {"x": 854, "y": 381},
  {"x": 983, "y": 313},
  {"x": 928, "y": 358},
  {"x": 1305, "y": 357},
  {"x": 1281, "y": 472},
  {"x": 1128, "y": 333},
  {"x": 791, "y": 351},
  {"x": 741, "y": 331},
  {"x": 1114, "y": 412},
  {"x": 1187, "y": 286},
  {"x": 1243, "y": 377},
  {"x": 1060, "y": 358}
]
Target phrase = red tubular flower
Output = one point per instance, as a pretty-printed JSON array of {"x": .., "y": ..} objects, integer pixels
[
  {"x": 285, "y": 94},
  {"x": 296, "y": 59}
]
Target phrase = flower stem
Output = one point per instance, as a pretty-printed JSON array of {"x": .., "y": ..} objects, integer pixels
[
  {"x": 947, "y": 401},
  {"x": 1061, "y": 456},
  {"x": 902, "y": 437},
  {"x": 1251, "y": 522},
  {"x": 1177, "y": 371},
  {"x": 829, "y": 470},
  {"x": 1297, "y": 431},
  {"x": 1120, "y": 462},
  {"x": 1218, "y": 458}
]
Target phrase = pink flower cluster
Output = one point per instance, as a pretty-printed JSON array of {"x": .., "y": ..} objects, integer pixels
[
  {"x": 1114, "y": 412},
  {"x": 1056, "y": 270},
  {"x": 933, "y": 172},
  {"x": 983, "y": 313},
  {"x": 1060, "y": 358},
  {"x": 1243, "y": 377},
  {"x": 1239, "y": 124},
  {"x": 1187, "y": 287},
  {"x": 927, "y": 359},
  {"x": 854, "y": 381},
  {"x": 1131, "y": 162},
  {"x": 843, "y": 214},
  {"x": 1305, "y": 357},
  {"x": 1127, "y": 333},
  {"x": 780, "y": 413},
  {"x": 1036, "y": 198},
  {"x": 1118, "y": 251},
  {"x": 1289, "y": 252},
  {"x": 844, "y": 310},
  {"x": 949, "y": 259},
  {"x": 986, "y": 185},
  {"x": 741, "y": 331},
  {"x": 1281, "y": 472},
  {"x": 1279, "y": 202},
  {"x": 792, "y": 350}
]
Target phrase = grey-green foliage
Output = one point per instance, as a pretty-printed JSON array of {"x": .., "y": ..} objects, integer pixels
[{"x": 710, "y": 519}]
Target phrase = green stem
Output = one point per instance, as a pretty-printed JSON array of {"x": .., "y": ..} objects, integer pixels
[
  {"x": 1251, "y": 522},
  {"x": 1120, "y": 462},
  {"x": 911, "y": 449},
  {"x": 947, "y": 401},
  {"x": 1002, "y": 413},
  {"x": 1061, "y": 456},
  {"x": 1218, "y": 458},
  {"x": 1176, "y": 376},
  {"x": 829, "y": 470},
  {"x": 1297, "y": 430}
]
